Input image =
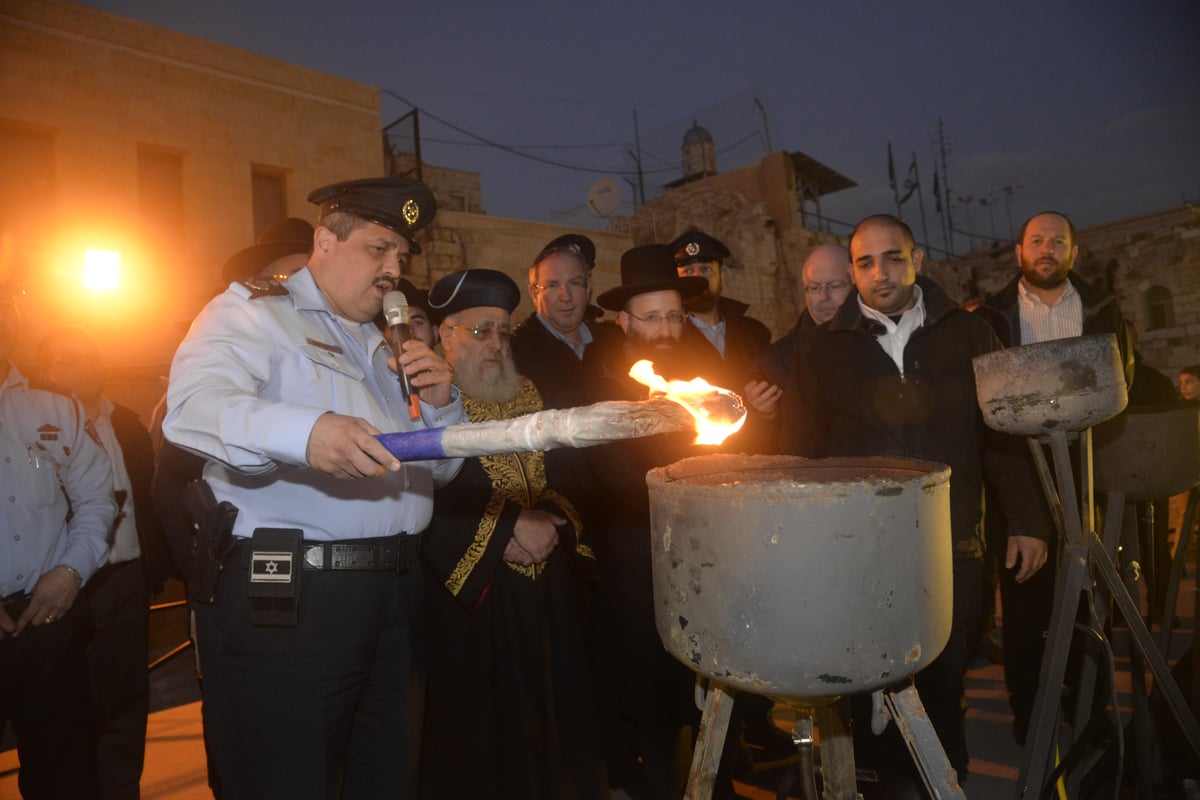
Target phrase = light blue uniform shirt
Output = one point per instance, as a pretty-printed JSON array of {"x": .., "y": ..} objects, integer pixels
[
  {"x": 45, "y": 452},
  {"x": 248, "y": 384}
]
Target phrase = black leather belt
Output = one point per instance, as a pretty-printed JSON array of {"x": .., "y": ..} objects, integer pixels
[{"x": 393, "y": 554}]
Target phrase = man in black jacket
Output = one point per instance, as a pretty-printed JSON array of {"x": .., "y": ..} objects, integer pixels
[
  {"x": 555, "y": 347},
  {"x": 1046, "y": 301},
  {"x": 891, "y": 375}
]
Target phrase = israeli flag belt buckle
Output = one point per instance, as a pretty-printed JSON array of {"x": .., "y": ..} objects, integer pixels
[{"x": 270, "y": 567}]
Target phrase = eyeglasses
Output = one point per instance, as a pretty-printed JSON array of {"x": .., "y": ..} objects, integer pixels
[
  {"x": 832, "y": 286},
  {"x": 574, "y": 285},
  {"x": 674, "y": 318},
  {"x": 484, "y": 332},
  {"x": 690, "y": 270}
]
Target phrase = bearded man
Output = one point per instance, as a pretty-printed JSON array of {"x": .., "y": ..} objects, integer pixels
[
  {"x": 1046, "y": 301},
  {"x": 512, "y": 575}
]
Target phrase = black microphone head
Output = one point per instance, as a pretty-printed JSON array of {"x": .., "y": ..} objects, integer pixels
[{"x": 395, "y": 308}]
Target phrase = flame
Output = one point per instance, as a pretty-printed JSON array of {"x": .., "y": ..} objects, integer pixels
[{"x": 719, "y": 413}]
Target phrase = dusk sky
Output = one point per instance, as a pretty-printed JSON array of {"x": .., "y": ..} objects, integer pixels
[{"x": 1088, "y": 107}]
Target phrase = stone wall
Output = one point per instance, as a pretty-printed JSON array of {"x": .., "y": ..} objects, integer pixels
[{"x": 99, "y": 87}]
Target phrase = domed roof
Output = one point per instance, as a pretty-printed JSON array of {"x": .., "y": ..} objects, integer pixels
[{"x": 697, "y": 135}]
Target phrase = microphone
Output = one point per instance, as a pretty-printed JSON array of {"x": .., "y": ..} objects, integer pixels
[{"x": 395, "y": 311}]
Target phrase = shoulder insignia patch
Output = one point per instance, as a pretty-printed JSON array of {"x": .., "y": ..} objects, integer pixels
[{"x": 264, "y": 287}]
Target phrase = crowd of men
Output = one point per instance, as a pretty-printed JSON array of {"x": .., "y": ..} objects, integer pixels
[{"x": 483, "y": 626}]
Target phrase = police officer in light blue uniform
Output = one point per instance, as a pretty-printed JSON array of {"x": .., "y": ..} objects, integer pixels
[
  {"x": 283, "y": 390},
  {"x": 56, "y": 510}
]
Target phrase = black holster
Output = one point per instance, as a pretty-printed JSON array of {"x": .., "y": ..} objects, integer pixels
[{"x": 214, "y": 537}]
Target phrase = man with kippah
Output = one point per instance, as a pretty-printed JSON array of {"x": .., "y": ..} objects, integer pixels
[
  {"x": 512, "y": 572},
  {"x": 312, "y": 646},
  {"x": 555, "y": 347}
]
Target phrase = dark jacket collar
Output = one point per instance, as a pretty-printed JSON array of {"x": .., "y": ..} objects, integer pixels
[
  {"x": 937, "y": 305},
  {"x": 1091, "y": 298}
]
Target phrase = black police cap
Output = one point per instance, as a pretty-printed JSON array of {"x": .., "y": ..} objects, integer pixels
[
  {"x": 403, "y": 205},
  {"x": 472, "y": 288},
  {"x": 578, "y": 245},
  {"x": 695, "y": 246}
]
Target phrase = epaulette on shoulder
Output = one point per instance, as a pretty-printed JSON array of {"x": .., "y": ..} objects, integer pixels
[{"x": 262, "y": 287}]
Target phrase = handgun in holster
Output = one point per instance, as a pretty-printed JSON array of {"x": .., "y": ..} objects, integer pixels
[{"x": 214, "y": 536}]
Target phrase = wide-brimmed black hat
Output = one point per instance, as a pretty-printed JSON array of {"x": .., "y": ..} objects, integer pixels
[
  {"x": 472, "y": 288},
  {"x": 404, "y": 205},
  {"x": 649, "y": 268},
  {"x": 283, "y": 238},
  {"x": 695, "y": 246},
  {"x": 576, "y": 244},
  {"x": 413, "y": 295}
]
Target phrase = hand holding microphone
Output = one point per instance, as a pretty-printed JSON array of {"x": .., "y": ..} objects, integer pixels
[{"x": 395, "y": 311}]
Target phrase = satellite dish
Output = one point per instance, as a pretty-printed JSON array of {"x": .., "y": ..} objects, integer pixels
[{"x": 604, "y": 197}]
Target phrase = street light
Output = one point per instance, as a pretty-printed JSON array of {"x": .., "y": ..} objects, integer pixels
[{"x": 101, "y": 270}]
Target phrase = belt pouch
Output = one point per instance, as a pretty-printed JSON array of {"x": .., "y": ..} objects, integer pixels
[{"x": 275, "y": 571}]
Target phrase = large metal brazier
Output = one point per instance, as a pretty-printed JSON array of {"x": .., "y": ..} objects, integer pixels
[
  {"x": 1064, "y": 384},
  {"x": 802, "y": 578},
  {"x": 1147, "y": 453}
]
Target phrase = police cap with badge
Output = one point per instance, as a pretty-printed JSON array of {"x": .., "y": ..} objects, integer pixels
[
  {"x": 697, "y": 247},
  {"x": 404, "y": 205},
  {"x": 576, "y": 244}
]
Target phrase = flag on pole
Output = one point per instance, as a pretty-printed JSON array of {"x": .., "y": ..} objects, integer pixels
[
  {"x": 937, "y": 193},
  {"x": 891, "y": 169},
  {"x": 911, "y": 181}
]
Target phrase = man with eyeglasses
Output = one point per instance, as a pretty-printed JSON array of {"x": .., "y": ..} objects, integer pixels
[
  {"x": 825, "y": 279},
  {"x": 555, "y": 347},
  {"x": 651, "y": 693},
  {"x": 512, "y": 575},
  {"x": 721, "y": 322}
]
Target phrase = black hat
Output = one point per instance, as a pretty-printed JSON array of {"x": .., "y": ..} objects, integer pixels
[
  {"x": 645, "y": 269},
  {"x": 580, "y": 246},
  {"x": 283, "y": 238},
  {"x": 694, "y": 246},
  {"x": 404, "y": 205},
  {"x": 413, "y": 295},
  {"x": 471, "y": 288}
]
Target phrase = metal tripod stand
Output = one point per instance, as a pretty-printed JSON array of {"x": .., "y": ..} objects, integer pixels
[{"x": 1086, "y": 559}]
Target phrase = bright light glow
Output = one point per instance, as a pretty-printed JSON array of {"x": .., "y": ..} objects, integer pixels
[
  {"x": 101, "y": 269},
  {"x": 719, "y": 413}
]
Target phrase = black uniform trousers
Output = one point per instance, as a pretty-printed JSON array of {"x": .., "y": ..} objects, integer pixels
[
  {"x": 117, "y": 656},
  {"x": 44, "y": 694},
  {"x": 329, "y": 708}
]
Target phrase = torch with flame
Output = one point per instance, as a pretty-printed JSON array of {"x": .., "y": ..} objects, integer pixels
[
  {"x": 719, "y": 413},
  {"x": 714, "y": 413}
]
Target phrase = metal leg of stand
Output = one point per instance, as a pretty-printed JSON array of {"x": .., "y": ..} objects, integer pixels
[
  {"x": 1143, "y": 720},
  {"x": 707, "y": 757},
  {"x": 836, "y": 746},
  {"x": 1182, "y": 543},
  {"x": 1069, "y": 583},
  {"x": 1163, "y": 680},
  {"x": 910, "y": 716}
]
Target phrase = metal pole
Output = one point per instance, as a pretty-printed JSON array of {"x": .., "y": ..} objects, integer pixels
[
  {"x": 637, "y": 158},
  {"x": 921, "y": 203}
]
